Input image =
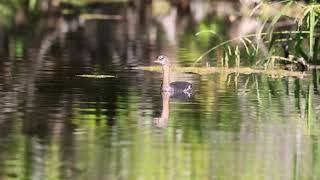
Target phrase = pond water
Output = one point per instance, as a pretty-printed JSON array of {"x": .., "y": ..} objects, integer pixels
[{"x": 55, "y": 124}]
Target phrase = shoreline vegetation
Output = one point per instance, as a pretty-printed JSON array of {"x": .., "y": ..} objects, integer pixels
[
  {"x": 289, "y": 36},
  {"x": 260, "y": 36}
]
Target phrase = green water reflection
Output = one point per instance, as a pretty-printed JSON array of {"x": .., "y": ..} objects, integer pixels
[{"x": 252, "y": 128}]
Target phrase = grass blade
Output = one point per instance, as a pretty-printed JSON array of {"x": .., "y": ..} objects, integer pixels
[{"x": 283, "y": 10}]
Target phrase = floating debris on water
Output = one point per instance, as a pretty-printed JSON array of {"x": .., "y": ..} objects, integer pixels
[
  {"x": 241, "y": 70},
  {"x": 100, "y": 76}
]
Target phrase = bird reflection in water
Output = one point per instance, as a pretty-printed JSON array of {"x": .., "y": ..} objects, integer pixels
[{"x": 162, "y": 121}]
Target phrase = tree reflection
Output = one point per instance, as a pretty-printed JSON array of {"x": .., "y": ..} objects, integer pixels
[{"x": 56, "y": 125}]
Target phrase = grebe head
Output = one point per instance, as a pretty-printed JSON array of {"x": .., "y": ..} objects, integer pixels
[{"x": 162, "y": 60}]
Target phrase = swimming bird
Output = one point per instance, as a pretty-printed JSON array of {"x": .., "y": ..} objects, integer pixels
[{"x": 177, "y": 87}]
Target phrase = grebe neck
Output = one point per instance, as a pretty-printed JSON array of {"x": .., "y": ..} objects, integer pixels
[{"x": 166, "y": 78}]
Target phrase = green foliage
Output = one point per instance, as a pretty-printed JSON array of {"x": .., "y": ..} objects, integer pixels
[
  {"x": 281, "y": 13},
  {"x": 6, "y": 13},
  {"x": 268, "y": 34},
  {"x": 206, "y": 32},
  {"x": 311, "y": 15},
  {"x": 85, "y": 2},
  {"x": 10, "y": 8}
]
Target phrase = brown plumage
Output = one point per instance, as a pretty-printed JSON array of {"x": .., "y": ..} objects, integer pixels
[{"x": 175, "y": 87}]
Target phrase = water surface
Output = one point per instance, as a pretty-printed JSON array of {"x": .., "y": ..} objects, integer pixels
[{"x": 57, "y": 125}]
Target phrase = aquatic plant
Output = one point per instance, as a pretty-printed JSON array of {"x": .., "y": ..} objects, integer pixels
[
  {"x": 309, "y": 108},
  {"x": 266, "y": 42}
]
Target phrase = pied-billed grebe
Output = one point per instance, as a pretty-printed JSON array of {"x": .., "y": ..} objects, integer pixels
[{"x": 174, "y": 87}]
